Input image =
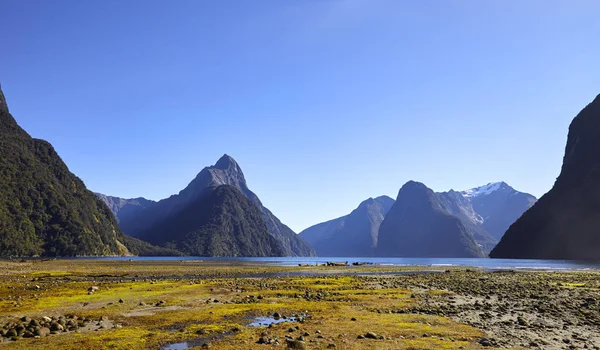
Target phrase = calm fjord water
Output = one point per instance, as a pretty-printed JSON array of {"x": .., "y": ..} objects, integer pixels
[{"x": 492, "y": 264}]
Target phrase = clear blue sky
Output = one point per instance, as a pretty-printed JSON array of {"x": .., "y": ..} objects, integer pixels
[{"x": 323, "y": 103}]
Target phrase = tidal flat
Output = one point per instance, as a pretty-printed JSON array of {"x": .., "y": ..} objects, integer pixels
[{"x": 101, "y": 304}]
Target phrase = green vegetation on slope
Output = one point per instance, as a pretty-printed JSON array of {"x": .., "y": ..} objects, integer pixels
[{"x": 44, "y": 208}]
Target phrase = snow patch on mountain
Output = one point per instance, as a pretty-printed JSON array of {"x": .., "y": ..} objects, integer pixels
[{"x": 483, "y": 190}]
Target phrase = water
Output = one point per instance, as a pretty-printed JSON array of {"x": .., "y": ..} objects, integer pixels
[
  {"x": 265, "y": 321},
  {"x": 485, "y": 263},
  {"x": 185, "y": 345}
]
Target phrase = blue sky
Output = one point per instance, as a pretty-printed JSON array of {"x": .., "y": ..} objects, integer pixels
[{"x": 323, "y": 103}]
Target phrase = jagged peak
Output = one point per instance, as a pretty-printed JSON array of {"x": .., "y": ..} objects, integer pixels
[{"x": 226, "y": 162}]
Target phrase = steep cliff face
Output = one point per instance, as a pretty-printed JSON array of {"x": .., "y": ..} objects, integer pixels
[
  {"x": 419, "y": 224},
  {"x": 44, "y": 208},
  {"x": 355, "y": 234},
  {"x": 565, "y": 222}
]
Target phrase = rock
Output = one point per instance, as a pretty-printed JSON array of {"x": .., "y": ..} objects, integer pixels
[
  {"x": 485, "y": 342},
  {"x": 522, "y": 322},
  {"x": 93, "y": 289},
  {"x": 56, "y": 327},
  {"x": 295, "y": 344},
  {"x": 121, "y": 301},
  {"x": 371, "y": 335},
  {"x": 42, "y": 332},
  {"x": 262, "y": 340},
  {"x": 276, "y": 315}
]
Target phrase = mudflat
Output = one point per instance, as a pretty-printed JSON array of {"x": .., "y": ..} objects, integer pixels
[{"x": 97, "y": 304}]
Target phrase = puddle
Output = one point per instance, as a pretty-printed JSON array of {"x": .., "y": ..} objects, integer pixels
[
  {"x": 263, "y": 321},
  {"x": 259, "y": 321}
]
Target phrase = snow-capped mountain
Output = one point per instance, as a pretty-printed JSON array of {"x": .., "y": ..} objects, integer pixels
[
  {"x": 498, "y": 205},
  {"x": 485, "y": 190}
]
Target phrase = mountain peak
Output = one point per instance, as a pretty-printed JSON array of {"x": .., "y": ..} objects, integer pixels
[
  {"x": 486, "y": 189},
  {"x": 414, "y": 184},
  {"x": 414, "y": 188},
  {"x": 226, "y": 162}
]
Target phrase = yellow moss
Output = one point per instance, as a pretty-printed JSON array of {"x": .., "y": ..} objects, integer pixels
[{"x": 187, "y": 312}]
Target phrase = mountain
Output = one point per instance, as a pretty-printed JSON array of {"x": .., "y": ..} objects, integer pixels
[
  {"x": 124, "y": 209},
  {"x": 44, "y": 208},
  {"x": 223, "y": 222},
  {"x": 420, "y": 224},
  {"x": 486, "y": 212},
  {"x": 225, "y": 172},
  {"x": 565, "y": 222},
  {"x": 460, "y": 207},
  {"x": 355, "y": 234},
  {"x": 498, "y": 206}
]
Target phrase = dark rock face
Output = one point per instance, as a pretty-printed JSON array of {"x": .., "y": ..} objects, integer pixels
[
  {"x": 355, "y": 234},
  {"x": 419, "y": 224},
  {"x": 225, "y": 172},
  {"x": 44, "y": 208},
  {"x": 223, "y": 222},
  {"x": 565, "y": 222}
]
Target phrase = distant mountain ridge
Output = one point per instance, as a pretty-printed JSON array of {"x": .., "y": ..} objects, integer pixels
[
  {"x": 226, "y": 171},
  {"x": 355, "y": 234},
  {"x": 485, "y": 212},
  {"x": 125, "y": 208},
  {"x": 565, "y": 222}
]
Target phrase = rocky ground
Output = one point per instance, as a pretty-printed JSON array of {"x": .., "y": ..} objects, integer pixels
[
  {"x": 177, "y": 305},
  {"x": 536, "y": 310}
]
